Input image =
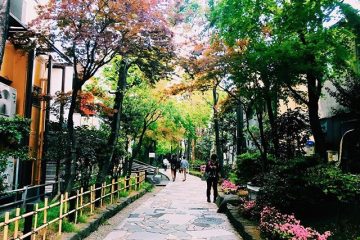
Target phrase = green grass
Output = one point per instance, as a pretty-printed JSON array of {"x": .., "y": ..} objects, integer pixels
[
  {"x": 147, "y": 186},
  {"x": 69, "y": 227},
  {"x": 123, "y": 194},
  {"x": 83, "y": 218}
]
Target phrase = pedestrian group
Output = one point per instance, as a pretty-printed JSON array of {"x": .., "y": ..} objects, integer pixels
[{"x": 211, "y": 175}]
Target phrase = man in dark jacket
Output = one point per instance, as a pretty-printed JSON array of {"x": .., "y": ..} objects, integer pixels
[{"x": 212, "y": 171}]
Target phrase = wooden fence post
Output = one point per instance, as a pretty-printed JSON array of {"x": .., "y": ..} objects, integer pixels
[
  {"x": 35, "y": 220},
  {"x": 81, "y": 200},
  {"x": 91, "y": 199},
  {"x": 28, "y": 220},
  {"x": 6, "y": 227},
  {"x": 16, "y": 228},
  {"x": 112, "y": 190},
  {"x": 61, "y": 213},
  {"x": 66, "y": 206},
  {"x": 118, "y": 188},
  {"x": 46, "y": 202},
  {"x": 76, "y": 206},
  {"x": 102, "y": 194},
  {"x": 125, "y": 187},
  {"x": 137, "y": 180},
  {"x": 128, "y": 187}
]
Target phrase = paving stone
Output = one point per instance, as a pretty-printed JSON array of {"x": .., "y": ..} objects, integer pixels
[
  {"x": 146, "y": 236},
  {"x": 179, "y": 211},
  {"x": 212, "y": 233}
]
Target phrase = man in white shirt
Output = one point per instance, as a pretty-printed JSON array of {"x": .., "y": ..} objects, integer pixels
[
  {"x": 184, "y": 166},
  {"x": 165, "y": 164}
]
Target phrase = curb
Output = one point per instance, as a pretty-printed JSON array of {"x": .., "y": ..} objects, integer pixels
[
  {"x": 111, "y": 210},
  {"x": 248, "y": 230}
]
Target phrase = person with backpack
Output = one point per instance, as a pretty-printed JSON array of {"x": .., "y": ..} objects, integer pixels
[{"x": 212, "y": 172}]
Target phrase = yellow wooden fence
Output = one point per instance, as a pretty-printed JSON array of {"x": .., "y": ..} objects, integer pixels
[{"x": 83, "y": 199}]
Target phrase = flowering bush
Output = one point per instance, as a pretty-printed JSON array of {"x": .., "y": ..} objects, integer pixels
[
  {"x": 248, "y": 210},
  {"x": 249, "y": 205},
  {"x": 275, "y": 225},
  {"x": 228, "y": 187}
]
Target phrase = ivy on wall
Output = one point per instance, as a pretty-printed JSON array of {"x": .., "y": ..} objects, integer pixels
[{"x": 13, "y": 135}]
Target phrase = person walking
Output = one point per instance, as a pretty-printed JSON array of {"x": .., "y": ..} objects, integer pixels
[
  {"x": 184, "y": 166},
  {"x": 212, "y": 171},
  {"x": 173, "y": 166},
  {"x": 165, "y": 164}
]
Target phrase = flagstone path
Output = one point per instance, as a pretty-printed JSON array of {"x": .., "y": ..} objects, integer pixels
[{"x": 179, "y": 211}]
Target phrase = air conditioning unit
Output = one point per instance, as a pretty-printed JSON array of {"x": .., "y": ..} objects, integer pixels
[
  {"x": 7, "y": 101},
  {"x": 18, "y": 9}
]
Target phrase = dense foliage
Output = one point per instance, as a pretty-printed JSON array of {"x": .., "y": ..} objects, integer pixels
[
  {"x": 248, "y": 167},
  {"x": 13, "y": 135},
  {"x": 91, "y": 151}
]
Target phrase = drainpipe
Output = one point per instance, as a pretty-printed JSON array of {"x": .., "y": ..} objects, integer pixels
[
  {"x": 61, "y": 118},
  {"x": 47, "y": 118},
  {"x": 341, "y": 146},
  {"x": 29, "y": 84}
]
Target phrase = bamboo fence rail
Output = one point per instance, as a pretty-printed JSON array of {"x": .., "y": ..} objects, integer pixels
[{"x": 82, "y": 199}]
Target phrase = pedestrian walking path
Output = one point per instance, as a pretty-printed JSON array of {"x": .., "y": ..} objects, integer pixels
[{"x": 179, "y": 211}]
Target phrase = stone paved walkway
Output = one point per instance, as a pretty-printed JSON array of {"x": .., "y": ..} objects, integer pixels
[{"x": 179, "y": 211}]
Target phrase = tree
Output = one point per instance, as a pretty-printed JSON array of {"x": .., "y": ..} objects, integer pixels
[
  {"x": 303, "y": 47},
  {"x": 207, "y": 69},
  {"x": 151, "y": 52},
  {"x": 91, "y": 34},
  {"x": 4, "y": 25},
  {"x": 142, "y": 108}
]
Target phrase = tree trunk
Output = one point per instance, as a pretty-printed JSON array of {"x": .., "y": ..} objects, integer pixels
[
  {"x": 137, "y": 149},
  {"x": 70, "y": 164},
  {"x": 115, "y": 123},
  {"x": 240, "y": 140},
  {"x": 314, "y": 87},
  {"x": 193, "y": 149},
  {"x": 262, "y": 137},
  {"x": 217, "y": 132},
  {"x": 4, "y": 25},
  {"x": 313, "y": 108},
  {"x": 272, "y": 120},
  {"x": 188, "y": 152}
]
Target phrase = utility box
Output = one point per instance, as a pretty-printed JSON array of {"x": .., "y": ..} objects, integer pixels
[{"x": 7, "y": 101}]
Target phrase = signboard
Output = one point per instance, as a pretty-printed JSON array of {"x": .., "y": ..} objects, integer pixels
[{"x": 151, "y": 155}]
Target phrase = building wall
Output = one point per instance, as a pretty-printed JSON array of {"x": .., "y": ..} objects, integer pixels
[{"x": 14, "y": 68}]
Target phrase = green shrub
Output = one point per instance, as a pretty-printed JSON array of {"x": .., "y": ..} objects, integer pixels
[
  {"x": 233, "y": 177},
  {"x": 13, "y": 134},
  {"x": 147, "y": 186},
  {"x": 248, "y": 166},
  {"x": 195, "y": 165},
  {"x": 284, "y": 186},
  {"x": 333, "y": 181}
]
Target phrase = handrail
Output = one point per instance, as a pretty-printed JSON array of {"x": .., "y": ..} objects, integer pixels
[{"x": 31, "y": 187}]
